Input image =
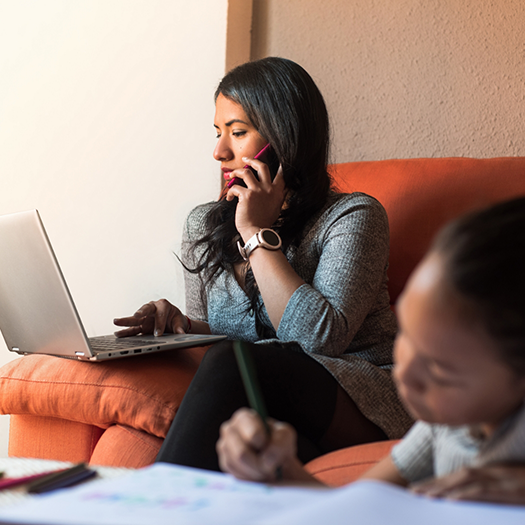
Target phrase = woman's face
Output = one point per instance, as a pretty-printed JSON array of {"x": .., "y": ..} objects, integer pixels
[
  {"x": 236, "y": 135},
  {"x": 447, "y": 369}
]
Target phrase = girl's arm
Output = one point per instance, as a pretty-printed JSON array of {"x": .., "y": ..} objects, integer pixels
[
  {"x": 498, "y": 483},
  {"x": 385, "y": 470}
]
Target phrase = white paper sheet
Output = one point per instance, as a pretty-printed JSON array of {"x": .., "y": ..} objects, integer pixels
[
  {"x": 161, "y": 494},
  {"x": 375, "y": 503},
  {"x": 168, "y": 494}
]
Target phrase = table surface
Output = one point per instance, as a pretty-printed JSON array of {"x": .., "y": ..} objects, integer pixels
[{"x": 17, "y": 467}]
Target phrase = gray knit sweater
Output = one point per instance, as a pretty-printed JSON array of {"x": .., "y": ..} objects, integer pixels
[{"x": 341, "y": 317}]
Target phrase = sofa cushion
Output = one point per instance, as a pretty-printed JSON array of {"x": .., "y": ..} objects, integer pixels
[
  {"x": 52, "y": 438},
  {"x": 420, "y": 195},
  {"x": 142, "y": 392},
  {"x": 346, "y": 465},
  {"x": 122, "y": 446}
]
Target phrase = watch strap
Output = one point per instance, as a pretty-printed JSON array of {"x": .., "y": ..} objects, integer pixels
[{"x": 257, "y": 240}]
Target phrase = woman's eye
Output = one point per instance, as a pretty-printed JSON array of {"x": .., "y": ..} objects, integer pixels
[{"x": 239, "y": 133}]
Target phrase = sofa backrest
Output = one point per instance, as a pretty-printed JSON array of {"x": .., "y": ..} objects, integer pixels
[{"x": 421, "y": 195}]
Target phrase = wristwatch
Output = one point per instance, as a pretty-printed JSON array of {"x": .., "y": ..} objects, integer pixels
[{"x": 264, "y": 238}]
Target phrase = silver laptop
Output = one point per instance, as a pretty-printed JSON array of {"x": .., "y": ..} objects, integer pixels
[{"x": 37, "y": 313}]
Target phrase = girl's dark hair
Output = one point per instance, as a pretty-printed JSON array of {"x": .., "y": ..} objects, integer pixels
[
  {"x": 484, "y": 256},
  {"x": 287, "y": 109}
]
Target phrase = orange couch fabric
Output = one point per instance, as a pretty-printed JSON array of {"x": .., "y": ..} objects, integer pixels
[
  {"x": 121, "y": 445},
  {"x": 136, "y": 399},
  {"x": 421, "y": 195},
  {"x": 142, "y": 392},
  {"x": 346, "y": 465},
  {"x": 62, "y": 440},
  {"x": 60, "y": 409},
  {"x": 76, "y": 441}
]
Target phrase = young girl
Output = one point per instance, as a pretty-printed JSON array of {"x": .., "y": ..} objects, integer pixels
[
  {"x": 459, "y": 369},
  {"x": 311, "y": 293}
]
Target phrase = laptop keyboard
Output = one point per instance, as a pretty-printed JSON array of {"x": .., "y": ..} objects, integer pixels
[{"x": 106, "y": 345}]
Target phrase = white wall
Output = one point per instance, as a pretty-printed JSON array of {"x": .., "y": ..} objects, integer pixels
[
  {"x": 408, "y": 78},
  {"x": 106, "y": 113}
]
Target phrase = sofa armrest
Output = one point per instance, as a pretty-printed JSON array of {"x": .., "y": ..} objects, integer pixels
[
  {"x": 346, "y": 465},
  {"x": 142, "y": 392}
]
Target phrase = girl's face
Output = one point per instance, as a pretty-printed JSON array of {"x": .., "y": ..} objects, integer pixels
[
  {"x": 236, "y": 135},
  {"x": 447, "y": 368}
]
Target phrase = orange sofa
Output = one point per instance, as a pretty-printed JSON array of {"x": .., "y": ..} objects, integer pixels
[{"x": 118, "y": 413}]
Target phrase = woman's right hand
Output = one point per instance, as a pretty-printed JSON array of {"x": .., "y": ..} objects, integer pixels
[
  {"x": 248, "y": 452},
  {"x": 155, "y": 317}
]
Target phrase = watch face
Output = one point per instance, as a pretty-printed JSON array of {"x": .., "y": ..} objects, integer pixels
[{"x": 271, "y": 238}]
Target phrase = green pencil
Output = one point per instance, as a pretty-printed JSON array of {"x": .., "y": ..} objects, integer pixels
[{"x": 251, "y": 385}]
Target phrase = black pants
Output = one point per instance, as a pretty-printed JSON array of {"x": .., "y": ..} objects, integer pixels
[{"x": 296, "y": 389}]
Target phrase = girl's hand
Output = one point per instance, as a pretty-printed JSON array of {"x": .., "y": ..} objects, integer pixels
[
  {"x": 494, "y": 483},
  {"x": 246, "y": 451},
  {"x": 156, "y": 317},
  {"x": 260, "y": 203}
]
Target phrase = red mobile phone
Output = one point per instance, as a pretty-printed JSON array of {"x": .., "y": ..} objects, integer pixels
[
  {"x": 261, "y": 154},
  {"x": 266, "y": 155}
]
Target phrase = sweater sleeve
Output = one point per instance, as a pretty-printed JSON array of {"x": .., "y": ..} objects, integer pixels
[
  {"x": 414, "y": 455},
  {"x": 196, "y": 303},
  {"x": 349, "y": 245}
]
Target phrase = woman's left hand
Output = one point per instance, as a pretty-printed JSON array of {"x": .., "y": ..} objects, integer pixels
[
  {"x": 495, "y": 483},
  {"x": 260, "y": 203}
]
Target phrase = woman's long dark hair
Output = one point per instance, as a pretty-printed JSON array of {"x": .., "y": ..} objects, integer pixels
[
  {"x": 287, "y": 109},
  {"x": 484, "y": 256}
]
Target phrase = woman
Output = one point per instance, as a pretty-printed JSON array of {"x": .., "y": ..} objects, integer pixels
[{"x": 317, "y": 309}]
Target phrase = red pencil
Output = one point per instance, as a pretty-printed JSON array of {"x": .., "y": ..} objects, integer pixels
[{"x": 7, "y": 483}]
